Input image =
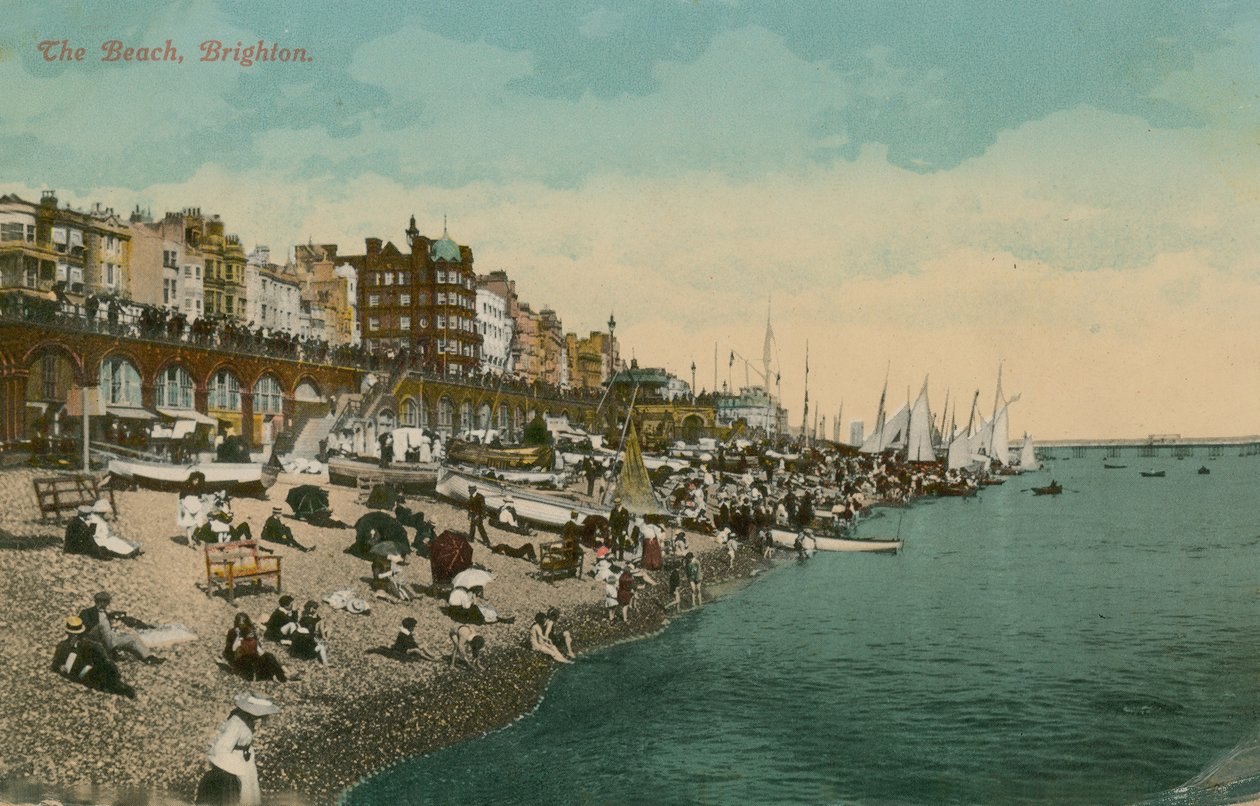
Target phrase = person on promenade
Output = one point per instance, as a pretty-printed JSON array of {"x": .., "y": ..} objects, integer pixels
[
  {"x": 693, "y": 577},
  {"x": 552, "y": 628},
  {"x": 310, "y": 639},
  {"x": 233, "y": 776},
  {"x": 619, "y": 524},
  {"x": 625, "y": 593},
  {"x": 96, "y": 620},
  {"x": 466, "y": 646},
  {"x": 277, "y": 531},
  {"x": 243, "y": 653},
  {"x": 82, "y": 660},
  {"x": 405, "y": 647},
  {"x": 282, "y": 622},
  {"x": 539, "y": 642},
  {"x": 477, "y": 515}
]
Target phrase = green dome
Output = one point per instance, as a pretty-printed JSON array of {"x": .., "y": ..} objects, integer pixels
[{"x": 445, "y": 249}]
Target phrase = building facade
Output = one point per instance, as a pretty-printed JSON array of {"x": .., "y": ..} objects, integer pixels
[
  {"x": 423, "y": 299},
  {"x": 496, "y": 327},
  {"x": 333, "y": 285},
  {"x": 43, "y": 246},
  {"x": 273, "y": 295}
]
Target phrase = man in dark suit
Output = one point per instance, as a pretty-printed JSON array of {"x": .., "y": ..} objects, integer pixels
[
  {"x": 476, "y": 515},
  {"x": 96, "y": 621},
  {"x": 619, "y": 525},
  {"x": 276, "y": 531},
  {"x": 84, "y": 661}
]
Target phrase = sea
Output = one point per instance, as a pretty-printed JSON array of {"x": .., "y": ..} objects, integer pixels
[{"x": 1097, "y": 647}]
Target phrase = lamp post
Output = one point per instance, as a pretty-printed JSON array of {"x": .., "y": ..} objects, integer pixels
[{"x": 693, "y": 378}]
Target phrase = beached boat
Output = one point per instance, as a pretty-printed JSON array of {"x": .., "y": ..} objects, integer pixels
[
  {"x": 518, "y": 458},
  {"x": 236, "y": 477},
  {"x": 787, "y": 539},
  {"x": 549, "y": 510},
  {"x": 1054, "y": 488},
  {"x": 1152, "y": 474},
  {"x": 1203, "y": 470},
  {"x": 414, "y": 477},
  {"x": 535, "y": 478}
]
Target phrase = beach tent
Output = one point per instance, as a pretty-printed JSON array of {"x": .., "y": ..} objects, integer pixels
[{"x": 450, "y": 553}]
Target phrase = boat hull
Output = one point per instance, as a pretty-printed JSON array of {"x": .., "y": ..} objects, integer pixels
[
  {"x": 237, "y": 477},
  {"x": 467, "y": 453},
  {"x": 408, "y": 478},
  {"x": 788, "y": 540},
  {"x": 547, "y": 511}
]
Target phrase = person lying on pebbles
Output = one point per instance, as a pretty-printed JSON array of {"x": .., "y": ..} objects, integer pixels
[
  {"x": 82, "y": 660},
  {"x": 405, "y": 647}
]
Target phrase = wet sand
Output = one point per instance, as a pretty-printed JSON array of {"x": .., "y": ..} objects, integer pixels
[{"x": 360, "y": 714}]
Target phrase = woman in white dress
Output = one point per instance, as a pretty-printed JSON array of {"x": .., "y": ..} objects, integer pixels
[{"x": 233, "y": 775}]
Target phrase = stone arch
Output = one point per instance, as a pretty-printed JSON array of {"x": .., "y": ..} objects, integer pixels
[
  {"x": 307, "y": 390},
  {"x": 72, "y": 357},
  {"x": 51, "y": 376},
  {"x": 692, "y": 428},
  {"x": 223, "y": 388}
]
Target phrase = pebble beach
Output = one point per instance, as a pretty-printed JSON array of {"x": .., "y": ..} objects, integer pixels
[{"x": 338, "y": 724}]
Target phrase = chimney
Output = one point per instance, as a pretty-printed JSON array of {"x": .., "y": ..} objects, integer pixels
[{"x": 373, "y": 245}]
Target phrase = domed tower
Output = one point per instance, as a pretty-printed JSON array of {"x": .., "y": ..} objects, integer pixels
[{"x": 456, "y": 336}]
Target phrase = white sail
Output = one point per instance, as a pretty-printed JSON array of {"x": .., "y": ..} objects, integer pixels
[
  {"x": 874, "y": 443},
  {"x": 980, "y": 441},
  {"x": 959, "y": 452},
  {"x": 1000, "y": 442},
  {"x": 919, "y": 430},
  {"x": 1028, "y": 456}
]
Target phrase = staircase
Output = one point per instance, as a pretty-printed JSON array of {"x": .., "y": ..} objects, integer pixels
[{"x": 306, "y": 446}]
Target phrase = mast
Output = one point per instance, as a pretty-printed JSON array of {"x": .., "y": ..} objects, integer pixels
[
  {"x": 805, "y": 415},
  {"x": 879, "y": 417}
]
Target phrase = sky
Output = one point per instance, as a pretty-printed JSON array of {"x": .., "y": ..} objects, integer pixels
[{"x": 917, "y": 190}]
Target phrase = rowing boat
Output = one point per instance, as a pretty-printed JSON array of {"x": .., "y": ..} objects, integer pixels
[
  {"x": 1052, "y": 489},
  {"x": 549, "y": 510},
  {"x": 407, "y": 477},
  {"x": 236, "y": 477},
  {"x": 1152, "y": 474},
  {"x": 787, "y": 539}
]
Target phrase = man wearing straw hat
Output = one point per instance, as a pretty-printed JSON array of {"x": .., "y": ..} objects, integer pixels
[
  {"x": 233, "y": 775},
  {"x": 84, "y": 661},
  {"x": 276, "y": 531}
]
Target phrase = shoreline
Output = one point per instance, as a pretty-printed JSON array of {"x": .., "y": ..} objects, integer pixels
[{"x": 339, "y": 725}]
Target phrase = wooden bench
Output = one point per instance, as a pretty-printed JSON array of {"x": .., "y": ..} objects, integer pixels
[
  {"x": 241, "y": 560},
  {"x": 59, "y": 497},
  {"x": 559, "y": 558}
]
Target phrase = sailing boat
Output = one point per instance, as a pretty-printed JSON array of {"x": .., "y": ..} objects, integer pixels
[
  {"x": 919, "y": 429},
  {"x": 633, "y": 485},
  {"x": 875, "y": 442},
  {"x": 1028, "y": 456}
]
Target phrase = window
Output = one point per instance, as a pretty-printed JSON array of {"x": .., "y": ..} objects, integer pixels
[
  {"x": 170, "y": 259},
  {"x": 49, "y": 377},
  {"x": 465, "y": 416},
  {"x": 175, "y": 388},
  {"x": 404, "y": 322},
  {"x": 374, "y": 300},
  {"x": 197, "y": 272},
  {"x": 11, "y": 231},
  {"x": 120, "y": 382},
  {"x": 445, "y": 410},
  {"x": 388, "y": 277},
  {"x": 404, "y": 300},
  {"x": 268, "y": 399},
  {"x": 225, "y": 391},
  {"x": 441, "y": 275},
  {"x": 374, "y": 323},
  {"x": 227, "y": 304},
  {"x": 441, "y": 322},
  {"x": 409, "y": 413},
  {"x": 404, "y": 278},
  {"x": 441, "y": 298}
]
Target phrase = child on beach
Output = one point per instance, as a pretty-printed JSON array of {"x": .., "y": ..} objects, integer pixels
[
  {"x": 310, "y": 640},
  {"x": 467, "y": 646},
  {"x": 610, "y": 596}
]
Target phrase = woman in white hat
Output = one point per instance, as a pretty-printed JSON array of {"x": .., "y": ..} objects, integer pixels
[
  {"x": 108, "y": 542},
  {"x": 233, "y": 775}
]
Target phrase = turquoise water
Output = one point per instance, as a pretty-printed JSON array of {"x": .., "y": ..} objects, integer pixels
[{"x": 1093, "y": 648}]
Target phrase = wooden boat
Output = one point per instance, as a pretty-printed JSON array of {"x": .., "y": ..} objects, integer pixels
[
  {"x": 235, "y": 477},
  {"x": 407, "y": 477},
  {"x": 1152, "y": 474},
  {"x": 1051, "y": 489},
  {"x": 549, "y": 510},
  {"x": 519, "y": 458},
  {"x": 1203, "y": 470},
  {"x": 787, "y": 539},
  {"x": 955, "y": 491},
  {"x": 536, "y": 478},
  {"x": 992, "y": 482},
  {"x": 1114, "y": 467}
]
